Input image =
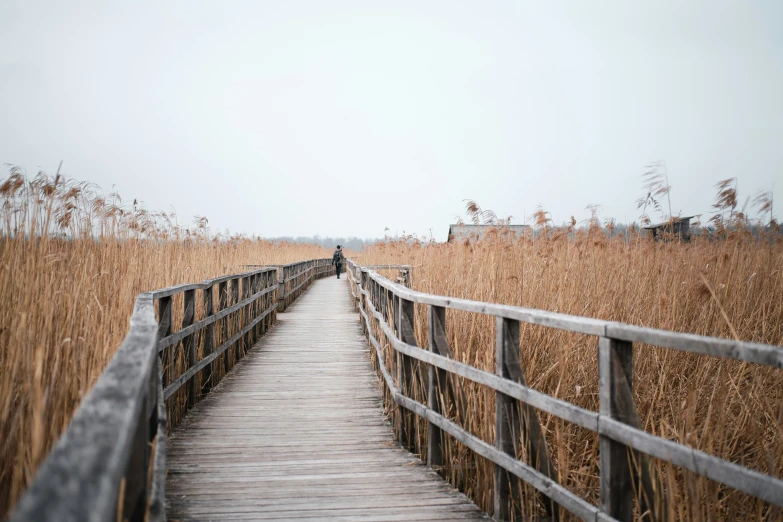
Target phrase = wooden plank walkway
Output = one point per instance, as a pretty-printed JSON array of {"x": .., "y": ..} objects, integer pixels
[{"x": 297, "y": 432}]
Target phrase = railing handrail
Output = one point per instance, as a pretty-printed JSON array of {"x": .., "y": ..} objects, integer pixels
[
  {"x": 768, "y": 355},
  {"x": 306, "y": 261},
  {"x": 176, "y": 289},
  {"x": 615, "y": 428},
  {"x": 80, "y": 477},
  {"x": 118, "y": 432}
]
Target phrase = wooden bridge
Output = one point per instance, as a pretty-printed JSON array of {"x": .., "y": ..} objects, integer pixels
[
  {"x": 175, "y": 428},
  {"x": 301, "y": 425}
]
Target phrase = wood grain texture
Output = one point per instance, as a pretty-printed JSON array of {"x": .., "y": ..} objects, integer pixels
[{"x": 297, "y": 432}]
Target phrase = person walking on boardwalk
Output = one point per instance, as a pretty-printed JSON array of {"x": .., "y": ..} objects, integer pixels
[{"x": 337, "y": 260}]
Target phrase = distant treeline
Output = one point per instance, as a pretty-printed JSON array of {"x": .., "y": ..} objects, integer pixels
[{"x": 351, "y": 243}]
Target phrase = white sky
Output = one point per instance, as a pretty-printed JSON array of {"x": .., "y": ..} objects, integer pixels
[{"x": 342, "y": 118}]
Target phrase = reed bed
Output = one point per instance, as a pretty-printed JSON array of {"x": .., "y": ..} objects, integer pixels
[
  {"x": 728, "y": 287},
  {"x": 73, "y": 261}
]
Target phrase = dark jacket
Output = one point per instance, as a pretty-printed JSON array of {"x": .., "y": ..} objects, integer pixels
[{"x": 338, "y": 258}]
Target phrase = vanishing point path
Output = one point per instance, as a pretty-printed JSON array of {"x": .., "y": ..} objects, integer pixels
[{"x": 297, "y": 432}]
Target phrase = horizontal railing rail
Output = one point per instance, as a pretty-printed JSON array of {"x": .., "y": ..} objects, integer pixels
[
  {"x": 110, "y": 463},
  {"x": 387, "y": 312}
]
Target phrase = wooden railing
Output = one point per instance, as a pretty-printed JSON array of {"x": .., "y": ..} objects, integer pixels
[
  {"x": 110, "y": 463},
  {"x": 296, "y": 277},
  {"x": 387, "y": 311}
]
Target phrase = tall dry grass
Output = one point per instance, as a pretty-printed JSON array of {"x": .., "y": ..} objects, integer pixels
[
  {"x": 67, "y": 296},
  {"x": 730, "y": 288}
]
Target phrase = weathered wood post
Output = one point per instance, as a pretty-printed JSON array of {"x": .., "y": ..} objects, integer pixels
[
  {"x": 273, "y": 298},
  {"x": 270, "y": 279},
  {"x": 405, "y": 371},
  {"x": 267, "y": 302},
  {"x": 363, "y": 278},
  {"x": 236, "y": 318},
  {"x": 246, "y": 316},
  {"x": 222, "y": 304},
  {"x": 257, "y": 306},
  {"x": 529, "y": 426},
  {"x": 389, "y": 356},
  {"x": 618, "y": 479},
  {"x": 615, "y": 361},
  {"x": 155, "y": 427},
  {"x": 209, "y": 337},
  {"x": 251, "y": 310},
  {"x": 385, "y": 310},
  {"x": 357, "y": 275},
  {"x": 436, "y": 386},
  {"x": 164, "y": 330},
  {"x": 506, "y": 489},
  {"x": 282, "y": 272},
  {"x": 254, "y": 308},
  {"x": 136, "y": 474},
  {"x": 395, "y": 358},
  {"x": 395, "y": 300},
  {"x": 263, "y": 303},
  {"x": 189, "y": 345}
]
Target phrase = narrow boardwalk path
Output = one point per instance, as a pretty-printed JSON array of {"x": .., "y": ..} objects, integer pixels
[{"x": 297, "y": 432}]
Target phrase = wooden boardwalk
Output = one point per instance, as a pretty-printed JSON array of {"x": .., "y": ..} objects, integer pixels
[{"x": 297, "y": 432}]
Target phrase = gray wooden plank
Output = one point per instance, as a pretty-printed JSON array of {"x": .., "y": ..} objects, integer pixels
[
  {"x": 327, "y": 491},
  {"x": 375, "y": 515},
  {"x": 297, "y": 431}
]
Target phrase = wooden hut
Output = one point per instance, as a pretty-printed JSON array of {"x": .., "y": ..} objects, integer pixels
[{"x": 676, "y": 228}]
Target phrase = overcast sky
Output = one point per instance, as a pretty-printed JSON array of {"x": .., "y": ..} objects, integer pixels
[{"x": 346, "y": 117}]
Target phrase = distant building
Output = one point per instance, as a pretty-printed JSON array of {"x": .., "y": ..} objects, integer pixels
[
  {"x": 676, "y": 228},
  {"x": 475, "y": 232}
]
